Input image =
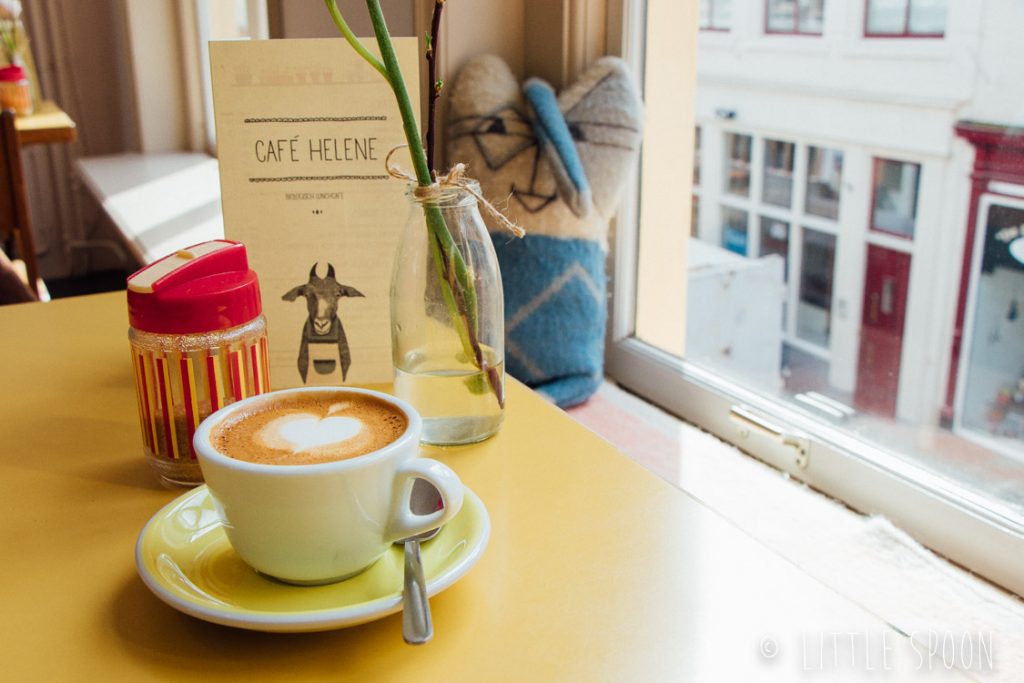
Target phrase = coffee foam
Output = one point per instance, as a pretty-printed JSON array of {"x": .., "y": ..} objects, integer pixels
[{"x": 308, "y": 428}]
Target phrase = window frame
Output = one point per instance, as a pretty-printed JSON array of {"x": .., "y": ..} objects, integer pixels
[
  {"x": 744, "y": 165},
  {"x": 876, "y": 167},
  {"x": 807, "y": 181},
  {"x": 778, "y": 171},
  {"x": 796, "y": 31},
  {"x": 796, "y": 216},
  {"x": 906, "y": 33},
  {"x": 194, "y": 31},
  {"x": 710, "y": 26},
  {"x": 954, "y": 521}
]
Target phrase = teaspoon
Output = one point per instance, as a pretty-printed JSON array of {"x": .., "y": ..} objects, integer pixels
[{"x": 417, "y": 627}]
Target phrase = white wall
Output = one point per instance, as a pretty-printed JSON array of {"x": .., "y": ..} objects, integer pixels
[
  {"x": 998, "y": 86},
  {"x": 310, "y": 19},
  {"x": 159, "y": 94},
  {"x": 844, "y": 64},
  {"x": 895, "y": 98}
]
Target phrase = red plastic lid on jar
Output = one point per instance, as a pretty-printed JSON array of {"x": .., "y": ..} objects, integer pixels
[
  {"x": 202, "y": 288},
  {"x": 12, "y": 74}
]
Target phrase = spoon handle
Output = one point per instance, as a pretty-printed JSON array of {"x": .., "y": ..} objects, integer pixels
[{"x": 416, "y": 623}]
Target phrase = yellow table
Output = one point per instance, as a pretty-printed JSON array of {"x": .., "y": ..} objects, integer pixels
[{"x": 596, "y": 569}]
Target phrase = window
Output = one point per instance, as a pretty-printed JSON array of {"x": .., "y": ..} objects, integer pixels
[
  {"x": 905, "y": 18},
  {"x": 814, "y": 307},
  {"x": 734, "y": 230},
  {"x": 804, "y": 17},
  {"x": 695, "y": 208},
  {"x": 206, "y": 20},
  {"x": 894, "y": 207},
  {"x": 758, "y": 217},
  {"x": 777, "y": 185},
  {"x": 737, "y": 164},
  {"x": 824, "y": 178},
  {"x": 715, "y": 15},
  {"x": 696, "y": 156},
  {"x": 775, "y": 240},
  {"x": 695, "y": 215},
  {"x": 864, "y": 304}
]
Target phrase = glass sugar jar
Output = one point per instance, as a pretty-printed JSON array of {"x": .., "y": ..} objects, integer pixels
[
  {"x": 198, "y": 342},
  {"x": 14, "y": 90}
]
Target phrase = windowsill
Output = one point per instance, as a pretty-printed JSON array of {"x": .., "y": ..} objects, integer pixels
[
  {"x": 159, "y": 203},
  {"x": 866, "y": 559}
]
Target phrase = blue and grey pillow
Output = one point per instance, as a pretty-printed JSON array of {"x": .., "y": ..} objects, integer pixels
[{"x": 562, "y": 161}]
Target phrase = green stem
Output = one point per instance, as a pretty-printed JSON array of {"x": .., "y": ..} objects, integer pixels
[
  {"x": 394, "y": 77},
  {"x": 435, "y": 219},
  {"x": 357, "y": 45},
  {"x": 458, "y": 289},
  {"x": 461, "y": 328}
]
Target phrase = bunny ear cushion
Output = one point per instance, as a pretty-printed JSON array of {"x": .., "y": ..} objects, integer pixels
[
  {"x": 555, "y": 141},
  {"x": 561, "y": 162}
]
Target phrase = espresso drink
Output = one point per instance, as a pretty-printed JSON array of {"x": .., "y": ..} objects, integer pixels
[{"x": 309, "y": 427}]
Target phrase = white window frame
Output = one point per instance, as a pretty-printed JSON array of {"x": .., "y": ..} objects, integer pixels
[
  {"x": 952, "y": 520},
  {"x": 195, "y": 37},
  {"x": 710, "y": 4}
]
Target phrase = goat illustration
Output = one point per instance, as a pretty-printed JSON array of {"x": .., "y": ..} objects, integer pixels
[{"x": 322, "y": 326}]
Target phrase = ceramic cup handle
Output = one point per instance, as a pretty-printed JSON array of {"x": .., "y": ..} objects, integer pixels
[{"x": 404, "y": 522}]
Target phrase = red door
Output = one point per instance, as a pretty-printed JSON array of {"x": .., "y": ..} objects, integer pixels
[{"x": 881, "y": 331}]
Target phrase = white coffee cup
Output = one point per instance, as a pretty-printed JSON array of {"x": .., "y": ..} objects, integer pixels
[{"x": 324, "y": 522}]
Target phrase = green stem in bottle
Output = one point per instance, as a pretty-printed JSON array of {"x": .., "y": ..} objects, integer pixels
[
  {"x": 461, "y": 328},
  {"x": 454, "y": 275}
]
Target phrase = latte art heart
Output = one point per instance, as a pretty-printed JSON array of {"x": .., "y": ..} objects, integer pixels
[
  {"x": 303, "y": 432},
  {"x": 309, "y": 427}
]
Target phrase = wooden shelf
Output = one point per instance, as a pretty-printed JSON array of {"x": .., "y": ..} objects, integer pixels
[{"x": 49, "y": 123}]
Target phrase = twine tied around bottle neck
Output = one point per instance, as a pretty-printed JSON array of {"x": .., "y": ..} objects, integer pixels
[{"x": 454, "y": 179}]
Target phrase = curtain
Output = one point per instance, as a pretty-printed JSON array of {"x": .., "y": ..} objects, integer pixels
[{"x": 80, "y": 55}]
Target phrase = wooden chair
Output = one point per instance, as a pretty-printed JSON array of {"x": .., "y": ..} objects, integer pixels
[
  {"x": 13, "y": 289},
  {"x": 15, "y": 221}
]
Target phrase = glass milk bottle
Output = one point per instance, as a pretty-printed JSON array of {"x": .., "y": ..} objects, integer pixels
[
  {"x": 198, "y": 342},
  {"x": 447, "y": 318}
]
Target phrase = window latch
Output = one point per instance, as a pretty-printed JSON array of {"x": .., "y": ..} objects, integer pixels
[{"x": 750, "y": 421}]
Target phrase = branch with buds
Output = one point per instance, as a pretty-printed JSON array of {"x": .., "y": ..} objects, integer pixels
[{"x": 433, "y": 41}]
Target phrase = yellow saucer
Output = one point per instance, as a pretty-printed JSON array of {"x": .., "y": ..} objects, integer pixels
[{"x": 184, "y": 557}]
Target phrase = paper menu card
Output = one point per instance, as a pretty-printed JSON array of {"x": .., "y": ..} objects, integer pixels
[{"x": 303, "y": 128}]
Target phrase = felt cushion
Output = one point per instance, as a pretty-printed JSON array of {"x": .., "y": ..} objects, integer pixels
[{"x": 556, "y": 165}]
